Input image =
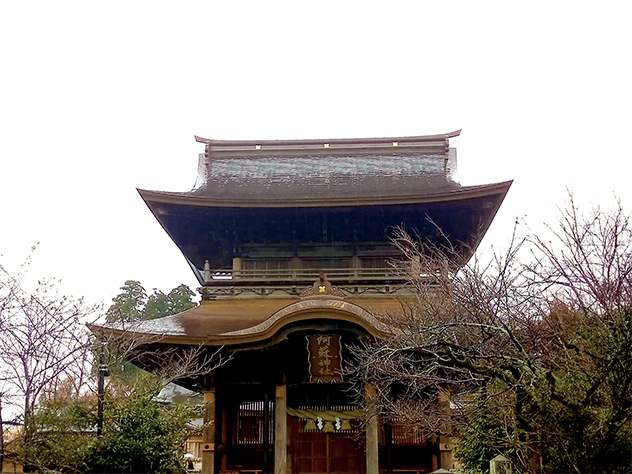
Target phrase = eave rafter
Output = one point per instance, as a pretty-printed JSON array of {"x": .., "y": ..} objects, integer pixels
[{"x": 202, "y": 201}]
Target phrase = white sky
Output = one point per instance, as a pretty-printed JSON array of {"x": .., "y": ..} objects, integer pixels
[{"x": 99, "y": 98}]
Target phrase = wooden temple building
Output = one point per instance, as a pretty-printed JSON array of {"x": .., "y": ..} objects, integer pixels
[{"x": 290, "y": 241}]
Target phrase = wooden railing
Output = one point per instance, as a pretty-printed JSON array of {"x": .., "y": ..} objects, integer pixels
[{"x": 303, "y": 275}]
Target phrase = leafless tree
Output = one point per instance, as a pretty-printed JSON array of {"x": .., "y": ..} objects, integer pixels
[
  {"x": 43, "y": 342},
  {"x": 125, "y": 342},
  {"x": 119, "y": 344},
  {"x": 46, "y": 349},
  {"x": 539, "y": 347}
]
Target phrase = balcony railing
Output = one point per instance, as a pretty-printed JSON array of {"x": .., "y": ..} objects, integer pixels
[{"x": 213, "y": 277}]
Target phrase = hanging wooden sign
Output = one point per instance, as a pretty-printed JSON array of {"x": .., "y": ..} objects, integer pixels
[{"x": 325, "y": 361}]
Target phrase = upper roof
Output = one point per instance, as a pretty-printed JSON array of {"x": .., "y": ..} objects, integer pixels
[
  {"x": 321, "y": 192},
  {"x": 300, "y": 171}
]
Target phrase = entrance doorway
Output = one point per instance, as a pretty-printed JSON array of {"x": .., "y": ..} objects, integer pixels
[{"x": 328, "y": 453}]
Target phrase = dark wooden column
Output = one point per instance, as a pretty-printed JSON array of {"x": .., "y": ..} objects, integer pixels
[
  {"x": 388, "y": 434},
  {"x": 266, "y": 431}
]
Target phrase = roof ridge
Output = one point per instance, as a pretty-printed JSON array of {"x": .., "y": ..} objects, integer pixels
[
  {"x": 330, "y": 146},
  {"x": 441, "y": 136}
]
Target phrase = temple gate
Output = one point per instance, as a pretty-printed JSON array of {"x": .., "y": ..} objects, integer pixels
[{"x": 290, "y": 241}]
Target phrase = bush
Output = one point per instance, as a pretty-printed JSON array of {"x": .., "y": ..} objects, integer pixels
[{"x": 139, "y": 435}]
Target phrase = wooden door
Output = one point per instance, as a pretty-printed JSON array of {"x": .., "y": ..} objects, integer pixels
[{"x": 328, "y": 453}]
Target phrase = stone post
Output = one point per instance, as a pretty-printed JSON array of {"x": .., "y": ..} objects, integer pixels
[{"x": 500, "y": 465}]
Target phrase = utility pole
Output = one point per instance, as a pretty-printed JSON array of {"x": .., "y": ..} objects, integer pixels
[
  {"x": 103, "y": 372},
  {"x": 1, "y": 436}
]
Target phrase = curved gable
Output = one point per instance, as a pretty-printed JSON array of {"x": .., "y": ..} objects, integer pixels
[{"x": 308, "y": 310}]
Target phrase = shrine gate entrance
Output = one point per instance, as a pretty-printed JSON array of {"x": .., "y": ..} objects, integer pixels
[{"x": 330, "y": 453}]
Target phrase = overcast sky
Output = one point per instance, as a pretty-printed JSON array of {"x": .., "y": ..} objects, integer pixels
[{"x": 100, "y": 98}]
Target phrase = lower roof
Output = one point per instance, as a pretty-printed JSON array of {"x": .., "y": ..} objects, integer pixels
[{"x": 224, "y": 322}]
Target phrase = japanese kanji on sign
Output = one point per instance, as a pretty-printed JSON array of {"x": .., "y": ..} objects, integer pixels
[{"x": 325, "y": 362}]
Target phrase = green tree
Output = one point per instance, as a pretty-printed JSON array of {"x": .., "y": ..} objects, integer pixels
[
  {"x": 177, "y": 300},
  {"x": 133, "y": 304},
  {"x": 141, "y": 436},
  {"x": 128, "y": 305},
  {"x": 65, "y": 430}
]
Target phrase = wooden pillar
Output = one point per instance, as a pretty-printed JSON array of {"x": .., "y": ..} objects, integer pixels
[
  {"x": 208, "y": 435},
  {"x": 372, "y": 434},
  {"x": 237, "y": 267},
  {"x": 445, "y": 452},
  {"x": 445, "y": 443},
  {"x": 224, "y": 438},
  {"x": 280, "y": 430},
  {"x": 435, "y": 462},
  {"x": 356, "y": 264}
]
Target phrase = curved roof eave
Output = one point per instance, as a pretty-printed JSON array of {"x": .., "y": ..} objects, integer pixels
[
  {"x": 304, "y": 310},
  {"x": 310, "y": 309},
  {"x": 464, "y": 192}
]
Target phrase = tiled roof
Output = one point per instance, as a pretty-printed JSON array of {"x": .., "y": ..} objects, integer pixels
[
  {"x": 273, "y": 170},
  {"x": 323, "y": 176}
]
